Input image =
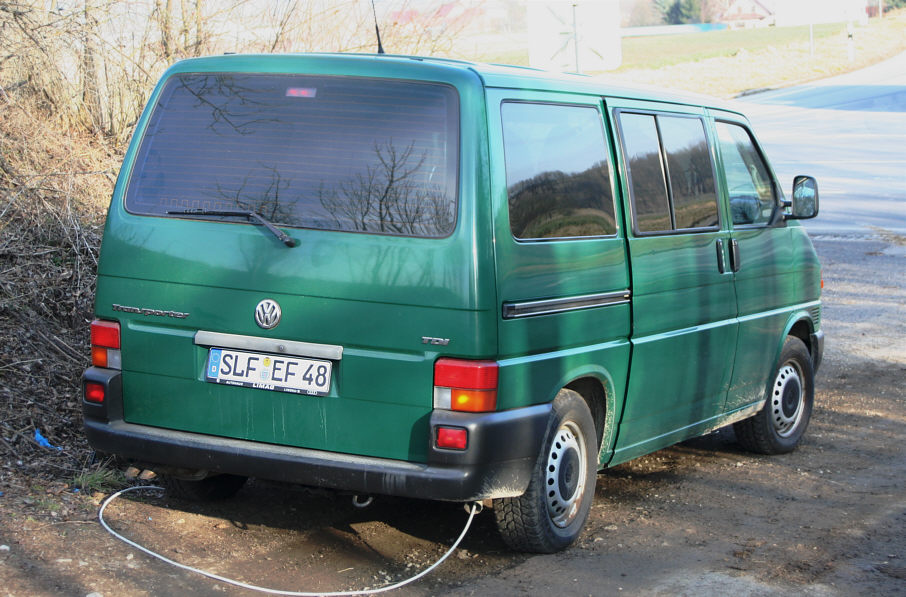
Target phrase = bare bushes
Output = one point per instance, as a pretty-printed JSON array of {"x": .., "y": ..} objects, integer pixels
[
  {"x": 74, "y": 78},
  {"x": 56, "y": 173},
  {"x": 52, "y": 184},
  {"x": 94, "y": 65}
]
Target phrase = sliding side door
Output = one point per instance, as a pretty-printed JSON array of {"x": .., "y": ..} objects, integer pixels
[{"x": 684, "y": 325}]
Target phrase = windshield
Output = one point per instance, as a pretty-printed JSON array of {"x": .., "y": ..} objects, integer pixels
[{"x": 331, "y": 153}]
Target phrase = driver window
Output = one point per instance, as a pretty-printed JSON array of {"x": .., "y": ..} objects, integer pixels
[{"x": 752, "y": 195}]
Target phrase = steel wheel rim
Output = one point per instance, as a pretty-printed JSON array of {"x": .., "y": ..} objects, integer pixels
[
  {"x": 565, "y": 474},
  {"x": 787, "y": 400}
]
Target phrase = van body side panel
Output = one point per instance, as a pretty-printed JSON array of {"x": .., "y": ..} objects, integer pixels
[
  {"x": 778, "y": 275},
  {"x": 807, "y": 288},
  {"x": 563, "y": 302},
  {"x": 376, "y": 296},
  {"x": 684, "y": 338},
  {"x": 765, "y": 283},
  {"x": 684, "y": 326}
]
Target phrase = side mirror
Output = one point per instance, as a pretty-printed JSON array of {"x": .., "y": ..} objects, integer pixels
[{"x": 804, "y": 204}]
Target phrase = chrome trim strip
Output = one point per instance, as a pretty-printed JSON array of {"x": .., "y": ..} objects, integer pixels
[
  {"x": 561, "y": 305},
  {"x": 272, "y": 345}
]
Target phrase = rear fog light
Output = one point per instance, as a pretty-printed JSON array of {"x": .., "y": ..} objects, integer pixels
[
  {"x": 94, "y": 392},
  {"x": 452, "y": 438}
]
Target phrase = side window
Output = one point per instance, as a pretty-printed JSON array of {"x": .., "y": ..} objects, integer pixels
[
  {"x": 752, "y": 195},
  {"x": 646, "y": 172},
  {"x": 691, "y": 173},
  {"x": 670, "y": 172},
  {"x": 558, "y": 181}
]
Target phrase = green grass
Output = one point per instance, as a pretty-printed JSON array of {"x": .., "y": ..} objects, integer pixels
[
  {"x": 666, "y": 50},
  {"x": 101, "y": 479}
]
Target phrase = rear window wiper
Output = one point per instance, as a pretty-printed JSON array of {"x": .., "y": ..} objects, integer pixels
[{"x": 242, "y": 213}]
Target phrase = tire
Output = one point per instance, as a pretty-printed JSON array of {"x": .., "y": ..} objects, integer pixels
[
  {"x": 217, "y": 487},
  {"x": 551, "y": 513},
  {"x": 779, "y": 425}
]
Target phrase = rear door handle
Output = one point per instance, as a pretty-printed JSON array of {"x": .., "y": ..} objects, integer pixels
[
  {"x": 734, "y": 254},
  {"x": 721, "y": 260}
]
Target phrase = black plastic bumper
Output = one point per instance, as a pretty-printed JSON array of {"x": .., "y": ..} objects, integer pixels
[
  {"x": 817, "y": 349},
  {"x": 502, "y": 450}
]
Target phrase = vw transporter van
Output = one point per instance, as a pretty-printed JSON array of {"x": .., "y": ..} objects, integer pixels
[{"x": 443, "y": 280}]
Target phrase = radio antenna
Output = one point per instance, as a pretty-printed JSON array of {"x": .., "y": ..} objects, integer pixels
[{"x": 380, "y": 48}]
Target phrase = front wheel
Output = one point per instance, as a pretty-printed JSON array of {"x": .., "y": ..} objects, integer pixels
[
  {"x": 551, "y": 513},
  {"x": 779, "y": 426}
]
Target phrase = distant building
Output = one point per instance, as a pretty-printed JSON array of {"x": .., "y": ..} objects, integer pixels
[
  {"x": 743, "y": 14},
  {"x": 783, "y": 13},
  {"x": 804, "y": 12}
]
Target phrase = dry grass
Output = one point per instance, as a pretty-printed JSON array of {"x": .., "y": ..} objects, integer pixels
[
  {"x": 787, "y": 63},
  {"x": 656, "y": 51}
]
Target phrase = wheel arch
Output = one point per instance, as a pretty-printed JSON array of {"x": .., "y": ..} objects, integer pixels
[
  {"x": 596, "y": 387},
  {"x": 801, "y": 328},
  {"x": 799, "y": 325}
]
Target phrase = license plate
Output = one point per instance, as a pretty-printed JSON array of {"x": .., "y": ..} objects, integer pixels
[{"x": 268, "y": 372}]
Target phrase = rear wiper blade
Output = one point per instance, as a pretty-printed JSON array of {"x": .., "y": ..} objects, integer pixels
[{"x": 243, "y": 213}]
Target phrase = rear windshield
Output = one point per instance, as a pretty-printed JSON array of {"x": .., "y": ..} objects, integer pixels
[{"x": 331, "y": 153}]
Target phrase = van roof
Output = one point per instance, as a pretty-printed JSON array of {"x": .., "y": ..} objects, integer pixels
[{"x": 491, "y": 75}]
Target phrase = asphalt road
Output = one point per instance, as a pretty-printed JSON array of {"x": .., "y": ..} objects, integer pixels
[{"x": 849, "y": 132}]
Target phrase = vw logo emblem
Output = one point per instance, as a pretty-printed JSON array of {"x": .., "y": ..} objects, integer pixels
[{"x": 267, "y": 314}]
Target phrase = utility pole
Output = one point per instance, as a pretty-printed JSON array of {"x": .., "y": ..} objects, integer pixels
[{"x": 576, "y": 37}]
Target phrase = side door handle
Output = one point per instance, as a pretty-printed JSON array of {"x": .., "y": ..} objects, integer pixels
[
  {"x": 721, "y": 260},
  {"x": 734, "y": 254}
]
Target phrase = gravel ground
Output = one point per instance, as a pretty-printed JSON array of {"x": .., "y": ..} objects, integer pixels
[{"x": 700, "y": 518}]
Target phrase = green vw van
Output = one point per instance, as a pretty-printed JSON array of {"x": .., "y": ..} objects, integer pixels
[{"x": 443, "y": 280}]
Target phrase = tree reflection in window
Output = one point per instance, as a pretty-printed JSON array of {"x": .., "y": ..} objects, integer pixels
[
  {"x": 749, "y": 182},
  {"x": 670, "y": 172},
  {"x": 558, "y": 181},
  {"x": 389, "y": 197},
  {"x": 352, "y": 154}
]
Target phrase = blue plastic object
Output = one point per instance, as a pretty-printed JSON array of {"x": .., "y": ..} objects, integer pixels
[{"x": 42, "y": 441}]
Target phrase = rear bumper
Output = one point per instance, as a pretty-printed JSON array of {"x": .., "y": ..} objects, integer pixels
[{"x": 503, "y": 449}]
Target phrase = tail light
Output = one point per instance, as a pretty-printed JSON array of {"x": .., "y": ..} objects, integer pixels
[
  {"x": 105, "y": 344},
  {"x": 469, "y": 386}
]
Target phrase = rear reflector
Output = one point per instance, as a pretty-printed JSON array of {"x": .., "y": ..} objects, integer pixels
[
  {"x": 468, "y": 386},
  {"x": 452, "y": 438},
  {"x": 94, "y": 392}
]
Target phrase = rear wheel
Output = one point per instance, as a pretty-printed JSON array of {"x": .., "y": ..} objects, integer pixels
[
  {"x": 779, "y": 426},
  {"x": 551, "y": 513},
  {"x": 217, "y": 487}
]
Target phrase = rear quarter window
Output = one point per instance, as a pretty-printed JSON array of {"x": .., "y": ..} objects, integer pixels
[
  {"x": 558, "y": 180},
  {"x": 330, "y": 153}
]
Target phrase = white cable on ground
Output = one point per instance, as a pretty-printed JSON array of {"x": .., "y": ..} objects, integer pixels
[{"x": 472, "y": 512}]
